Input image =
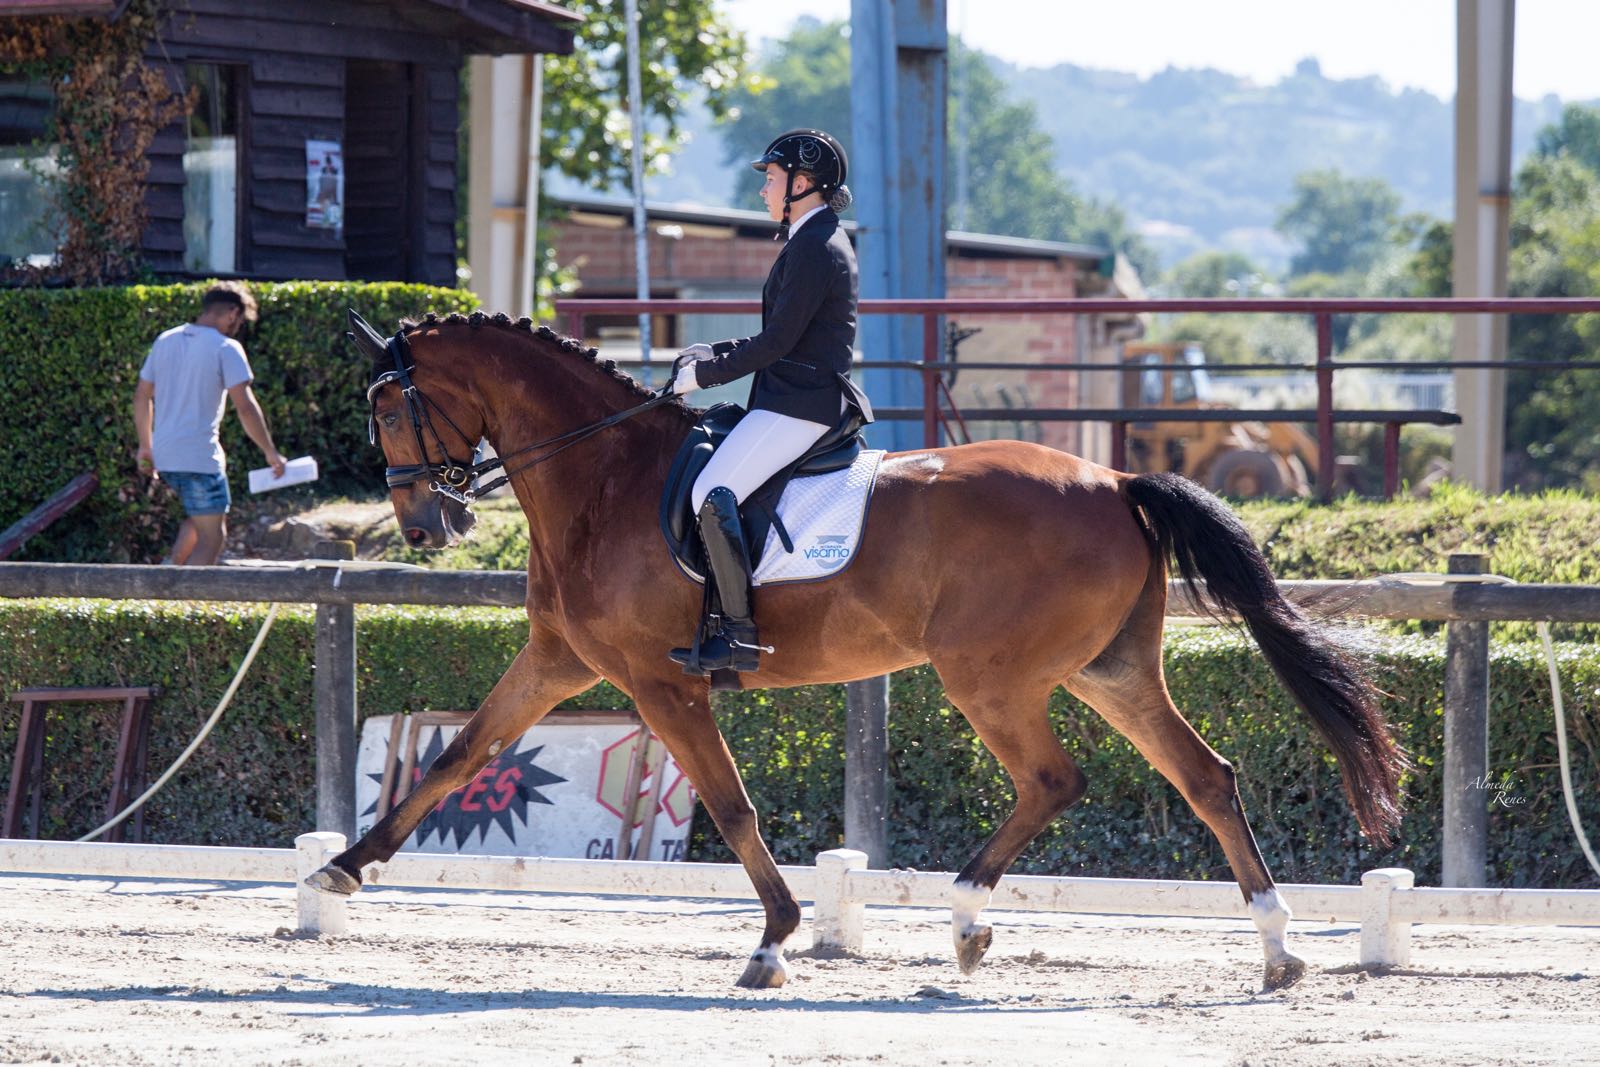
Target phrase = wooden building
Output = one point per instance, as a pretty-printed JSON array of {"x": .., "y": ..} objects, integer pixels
[{"x": 324, "y": 143}]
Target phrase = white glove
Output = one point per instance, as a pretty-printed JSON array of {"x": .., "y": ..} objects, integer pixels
[{"x": 684, "y": 380}]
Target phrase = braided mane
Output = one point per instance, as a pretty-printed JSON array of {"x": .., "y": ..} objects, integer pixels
[{"x": 568, "y": 346}]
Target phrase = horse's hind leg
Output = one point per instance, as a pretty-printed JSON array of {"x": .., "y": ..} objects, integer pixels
[
  {"x": 544, "y": 673},
  {"x": 1126, "y": 687},
  {"x": 1014, "y": 724}
]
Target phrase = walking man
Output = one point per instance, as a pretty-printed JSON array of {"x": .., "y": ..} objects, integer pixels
[{"x": 177, "y": 409}]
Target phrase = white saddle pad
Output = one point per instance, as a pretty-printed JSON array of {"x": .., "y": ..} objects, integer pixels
[{"x": 825, "y": 515}]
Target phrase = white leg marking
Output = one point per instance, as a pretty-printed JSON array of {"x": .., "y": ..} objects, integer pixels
[
  {"x": 772, "y": 956},
  {"x": 966, "y": 902},
  {"x": 1271, "y": 916}
]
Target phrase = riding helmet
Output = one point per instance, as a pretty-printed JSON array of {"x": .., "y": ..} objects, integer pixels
[{"x": 812, "y": 151}]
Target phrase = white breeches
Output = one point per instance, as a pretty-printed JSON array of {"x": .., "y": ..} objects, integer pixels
[{"x": 762, "y": 444}]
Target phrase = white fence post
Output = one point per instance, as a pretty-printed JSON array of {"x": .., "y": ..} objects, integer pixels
[
  {"x": 1385, "y": 938},
  {"x": 837, "y": 923},
  {"x": 320, "y": 913}
]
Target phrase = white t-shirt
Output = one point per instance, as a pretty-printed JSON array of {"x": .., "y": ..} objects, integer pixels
[{"x": 192, "y": 368}]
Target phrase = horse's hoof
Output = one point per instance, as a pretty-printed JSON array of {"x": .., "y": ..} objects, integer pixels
[
  {"x": 766, "y": 970},
  {"x": 1281, "y": 974},
  {"x": 333, "y": 879},
  {"x": 971, "y": 945}
]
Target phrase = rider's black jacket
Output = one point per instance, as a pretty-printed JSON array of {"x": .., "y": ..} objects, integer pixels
[{"x": 808, "y": 325}]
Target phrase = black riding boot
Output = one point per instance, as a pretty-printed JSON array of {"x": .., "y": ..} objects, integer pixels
[{"x": 734, "y": 646}]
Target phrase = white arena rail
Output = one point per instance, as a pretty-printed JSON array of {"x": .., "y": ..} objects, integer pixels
[{"x": 1385, "y": 904}]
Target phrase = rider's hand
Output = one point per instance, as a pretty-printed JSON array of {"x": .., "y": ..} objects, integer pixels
[
  {"x": 683, "y": 376},
  {"x": 684, "y": 381}
]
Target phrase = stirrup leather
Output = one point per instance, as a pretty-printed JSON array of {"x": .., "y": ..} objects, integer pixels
[{"x": 725, "y": 640}]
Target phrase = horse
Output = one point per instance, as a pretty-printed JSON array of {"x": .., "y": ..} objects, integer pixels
[{"x": 1069, "y": 589}]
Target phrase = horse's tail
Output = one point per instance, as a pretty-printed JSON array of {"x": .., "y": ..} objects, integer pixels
[{"x": 1208, "y": 542}]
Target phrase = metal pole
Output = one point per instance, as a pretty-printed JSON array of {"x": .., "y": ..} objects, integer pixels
[
  {"x": 866, "y": 768},
  {"x": 1466, "y": 743},
  {"x": 1391, "y": 459},
  {"x": 1325, "y": 446},
  {"x": 336, "y": 706},
  {"x": 930, "y": 384},
  {"x": 528, "y": 291},
  {"x": 641, "y": 236},
  {"x": 1485, "y": 37}
]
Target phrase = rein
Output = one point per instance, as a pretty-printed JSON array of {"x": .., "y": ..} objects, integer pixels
[{"x": 452, "y": 478}]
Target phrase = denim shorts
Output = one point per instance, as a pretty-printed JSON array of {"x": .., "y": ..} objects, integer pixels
[{"x": 202, "y": 494}]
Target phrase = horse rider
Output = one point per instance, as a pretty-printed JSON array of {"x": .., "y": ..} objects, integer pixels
[{"x": 801, "y": 361}]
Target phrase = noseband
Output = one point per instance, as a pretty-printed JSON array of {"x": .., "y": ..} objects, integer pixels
[{"x": 451, "y": 477}]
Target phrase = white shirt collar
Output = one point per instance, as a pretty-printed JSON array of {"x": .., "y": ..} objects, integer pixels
[{"x": 794, "y": 227}]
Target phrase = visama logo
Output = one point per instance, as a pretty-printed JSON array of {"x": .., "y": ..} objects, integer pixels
[{"x": 830, "y": 552}]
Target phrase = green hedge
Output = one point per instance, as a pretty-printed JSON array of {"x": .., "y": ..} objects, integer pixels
[
  {"x": 252, "y": 783},
  {"x": 69, "y": 360}
]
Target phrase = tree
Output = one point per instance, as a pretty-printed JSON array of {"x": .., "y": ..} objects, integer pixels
[
  {"x": 1013, "y": 188},
  {"x": 685, "y": 44},
  {"x": 1343, "y": 225},
  {"x": 1576, "y": 135},
  {"x": 1553, "y": 425},
  {"x": 1552, "y": 422},
  {"x": 1216, "y": 274},
  {"x": 586, "y": 133}
]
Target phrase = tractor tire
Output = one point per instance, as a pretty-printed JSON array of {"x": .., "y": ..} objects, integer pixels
[{"x": 1245, "y": 475}]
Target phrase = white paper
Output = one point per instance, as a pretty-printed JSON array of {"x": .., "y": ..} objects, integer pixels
[{"x": 295, "y": 471}]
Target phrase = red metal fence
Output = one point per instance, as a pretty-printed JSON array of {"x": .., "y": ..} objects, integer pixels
[{"x": 1322, "y": 311}]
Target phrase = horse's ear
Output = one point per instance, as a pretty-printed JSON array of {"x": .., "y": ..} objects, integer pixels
[{"x": 364, "y": 337}]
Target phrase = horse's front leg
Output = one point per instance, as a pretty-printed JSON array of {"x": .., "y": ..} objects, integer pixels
[
  {"x": 679, "y": 712},
  {"x": 544, "y": 673}
]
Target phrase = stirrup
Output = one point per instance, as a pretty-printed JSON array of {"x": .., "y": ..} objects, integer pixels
[{"x": 726, "y": 649}]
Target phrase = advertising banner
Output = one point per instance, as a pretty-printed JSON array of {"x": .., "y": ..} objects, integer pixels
[{"x": 560, "y": 790}]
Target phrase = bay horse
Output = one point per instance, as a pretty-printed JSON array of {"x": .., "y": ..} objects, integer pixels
[{"x": 1011, "y": 567}]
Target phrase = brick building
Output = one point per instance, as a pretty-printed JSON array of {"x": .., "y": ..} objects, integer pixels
[{"x": 724, "y": 254}]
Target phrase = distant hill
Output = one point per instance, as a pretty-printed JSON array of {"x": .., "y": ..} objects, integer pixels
[
  {"x": 1203, "y": 159},
  {"x": 1197, "y": 158}
]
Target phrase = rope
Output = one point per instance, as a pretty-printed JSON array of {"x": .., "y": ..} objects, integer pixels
[{"x": 233, "y": 686}]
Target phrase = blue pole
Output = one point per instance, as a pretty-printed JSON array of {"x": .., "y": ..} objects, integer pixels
[{"x": 898, "y": 90}]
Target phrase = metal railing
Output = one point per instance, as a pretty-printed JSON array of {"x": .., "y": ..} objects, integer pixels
[{"x": 1322, "y": 310}]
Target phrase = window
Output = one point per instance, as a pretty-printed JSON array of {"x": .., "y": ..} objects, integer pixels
[
  {"x": 28, "y": 222},
  {"x": 211, "y": 171}
]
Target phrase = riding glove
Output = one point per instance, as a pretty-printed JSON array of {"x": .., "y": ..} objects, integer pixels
[{"x": 683, "y": 378}]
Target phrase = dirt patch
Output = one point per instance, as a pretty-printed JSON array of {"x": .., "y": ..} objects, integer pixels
[
  {"x": 286, "y": 529},
  {"x": 157, "y": 973}
]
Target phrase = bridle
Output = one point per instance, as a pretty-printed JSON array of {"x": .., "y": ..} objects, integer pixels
[{"x": 453, "y": 478}]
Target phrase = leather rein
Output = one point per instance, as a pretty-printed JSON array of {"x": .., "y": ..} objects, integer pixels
[{"x": 453, "y": 478}]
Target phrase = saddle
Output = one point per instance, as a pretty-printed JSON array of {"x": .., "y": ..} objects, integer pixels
[{"x": 834, "y": 450}]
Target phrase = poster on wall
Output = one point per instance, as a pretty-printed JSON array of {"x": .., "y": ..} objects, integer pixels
[
  {"x": 561, "y": 790},
  {"x": 324, "y": 186}
]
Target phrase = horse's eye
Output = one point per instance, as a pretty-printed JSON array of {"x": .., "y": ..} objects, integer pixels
[{"x": 389, "y": 420}]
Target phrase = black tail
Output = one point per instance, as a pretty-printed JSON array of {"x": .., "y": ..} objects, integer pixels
[{"x": 1208, "y": 542}]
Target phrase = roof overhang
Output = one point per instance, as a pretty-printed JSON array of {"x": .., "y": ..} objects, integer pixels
[
  {"x": 754, "y": 223},
  {"x": 76, "y": 8},
  {"x": 514, "y": 27}
]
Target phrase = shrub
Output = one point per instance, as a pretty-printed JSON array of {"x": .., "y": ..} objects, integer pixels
[
  {"x": 69, "y": 360},
  {"x": 252, "y": 782}
]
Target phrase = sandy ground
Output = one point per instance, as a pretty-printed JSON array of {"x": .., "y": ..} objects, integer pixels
[{"x": 101, "y": 972}]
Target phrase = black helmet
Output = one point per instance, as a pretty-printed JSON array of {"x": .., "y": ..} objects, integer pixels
[
  {"x": 812, "y": 151},
  {"x": 820, "y": 156}
]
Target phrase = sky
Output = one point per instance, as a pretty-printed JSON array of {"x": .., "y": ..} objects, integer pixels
[{"x": 1407, "y": 43}]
